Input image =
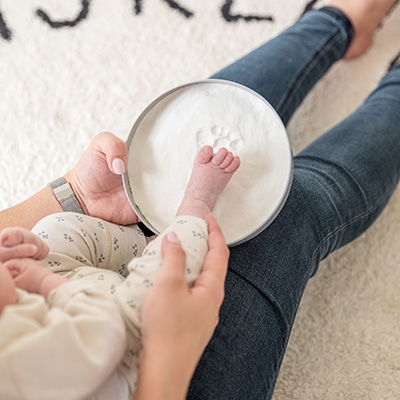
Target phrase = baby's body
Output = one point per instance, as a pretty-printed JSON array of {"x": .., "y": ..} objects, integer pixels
[{"x": 77, "y": 246}]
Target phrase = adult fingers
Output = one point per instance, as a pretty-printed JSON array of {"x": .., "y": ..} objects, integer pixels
[
  {"x": 173, "y": 261},
  {"x": 218, "y": 255},
  {"x": 216, "y": 263},
  {"x": 114, "y": 150}
]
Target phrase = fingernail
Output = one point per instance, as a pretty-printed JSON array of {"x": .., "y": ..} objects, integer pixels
[
  {"x": 118, "y": 166},
  {"x": 172, "y": 238}
]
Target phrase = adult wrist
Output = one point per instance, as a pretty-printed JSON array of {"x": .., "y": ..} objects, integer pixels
[
  {"x": 67, "y": 195},
  {"x": 162, "y": 376},
  {"x": 70, "y": 178}
]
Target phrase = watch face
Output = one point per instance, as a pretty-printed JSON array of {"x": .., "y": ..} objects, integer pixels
[{"x": 167, "y": 136}]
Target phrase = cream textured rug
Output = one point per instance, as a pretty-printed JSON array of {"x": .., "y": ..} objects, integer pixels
[{"x": 75, "y": 68}]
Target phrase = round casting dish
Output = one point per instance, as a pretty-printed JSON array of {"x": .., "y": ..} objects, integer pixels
[{"x": 167, "y": 136}]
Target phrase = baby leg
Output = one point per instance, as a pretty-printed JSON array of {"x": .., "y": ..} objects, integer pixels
[
  {"x": 83, "y": 246},
  {"x": 210, "y": 175}
]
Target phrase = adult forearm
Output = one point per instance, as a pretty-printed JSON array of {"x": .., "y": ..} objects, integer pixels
[
  {"x": 160, "y": 379},
  {"x": 30, "y": 211}
]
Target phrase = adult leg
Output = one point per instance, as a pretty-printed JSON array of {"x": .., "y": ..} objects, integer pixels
[
  {"x": 244, "y": 356},
  {"x": 286, "y": 68},
  {"x": 341, "y": 184}
]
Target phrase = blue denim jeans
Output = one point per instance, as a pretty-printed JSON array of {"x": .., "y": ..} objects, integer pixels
[{"x": 341, "y": 184}]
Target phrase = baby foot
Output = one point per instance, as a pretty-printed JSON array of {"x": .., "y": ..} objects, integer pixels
[{"x": 211, "y": 173}]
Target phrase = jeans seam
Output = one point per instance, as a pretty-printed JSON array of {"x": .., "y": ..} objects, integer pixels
[
  {"x": 271, "y": 298},
  {"x": 341, "y": 227}
]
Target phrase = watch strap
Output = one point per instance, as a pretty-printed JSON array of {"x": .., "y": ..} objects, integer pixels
[{"x": 65, "y": 195}]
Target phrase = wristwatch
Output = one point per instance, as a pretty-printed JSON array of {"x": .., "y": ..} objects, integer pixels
[{"x": 65, "y": 195}]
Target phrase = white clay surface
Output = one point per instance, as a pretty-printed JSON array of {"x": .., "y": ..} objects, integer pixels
[{"x": 167, "y": 139}]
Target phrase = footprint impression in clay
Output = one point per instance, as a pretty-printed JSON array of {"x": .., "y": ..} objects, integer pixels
[{"x": 219, "y": 136}]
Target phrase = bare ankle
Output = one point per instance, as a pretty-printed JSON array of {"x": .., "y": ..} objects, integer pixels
[
  {"x": 211, "y": 173},
  {"x": 366, "y": 16}
]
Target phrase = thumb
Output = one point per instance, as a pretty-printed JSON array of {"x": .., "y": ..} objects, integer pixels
[
  {"x": 173, "y": 261},
  {"x": 114, "y": 150}
]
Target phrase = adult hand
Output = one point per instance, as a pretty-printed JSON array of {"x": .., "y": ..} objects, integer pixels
[
  {"x": 178, "y": 321},
  {"x": 97, "y": 181},
  {"x": 21, "y": 243}
]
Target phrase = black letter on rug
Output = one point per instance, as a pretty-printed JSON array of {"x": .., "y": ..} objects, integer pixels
[
  {"x": 171, "y": 3},
  {"x": 309, "y": 6},
  {"x": 60, "y": 24},
  {"x": 226, "y": 12},
  {"x": 4, "y": 31}
]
